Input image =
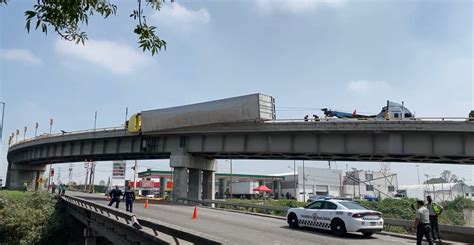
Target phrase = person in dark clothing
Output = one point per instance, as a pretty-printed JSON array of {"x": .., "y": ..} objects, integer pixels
[
  {"x": 115, "y": 195},
  {"x": 422, "y": 223},
  {"x": 129, "y": 198},
  {"x": 53, "y": 188}
]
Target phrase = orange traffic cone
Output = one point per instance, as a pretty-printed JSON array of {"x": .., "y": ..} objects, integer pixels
[
  {"x": 146, "y": 203},
  {"x": 195, "y": 213}
]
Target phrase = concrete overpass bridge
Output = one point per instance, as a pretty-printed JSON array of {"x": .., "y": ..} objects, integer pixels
[{"x": 193, "y": 151}]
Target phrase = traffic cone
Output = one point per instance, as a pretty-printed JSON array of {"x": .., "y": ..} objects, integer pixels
[
  {"x": 146, "y": 203},
  {"x": 195, "y": 213}
]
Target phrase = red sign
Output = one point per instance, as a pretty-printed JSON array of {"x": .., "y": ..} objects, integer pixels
[{"x": 146, "y": 184}]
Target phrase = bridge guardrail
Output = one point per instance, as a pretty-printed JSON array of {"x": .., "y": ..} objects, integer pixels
[
  {"x": 330, "y": 119},
  {"x": 451, "y": 232},
  {"x": 45, "y": 136},
  {"x": 323, "y": 119},
  {"x": 176, "y": 232}
]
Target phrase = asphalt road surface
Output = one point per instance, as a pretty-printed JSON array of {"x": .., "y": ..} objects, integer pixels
[{"x": 248, "y": 229}]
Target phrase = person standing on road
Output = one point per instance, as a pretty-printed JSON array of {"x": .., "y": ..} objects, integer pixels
[
  {"x": 129, "y": 198},
  {"x": 422, "y": 223},
  {"x": 115, "y": 195},
  {"x": 60, "y": 190},
  {"x": 53, "y": 188},
  {"x": 435, "y": 210}
]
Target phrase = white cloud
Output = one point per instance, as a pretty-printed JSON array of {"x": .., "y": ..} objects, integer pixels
[
  {"x": 177, "y": 16},
  {"x": 115, "y": 57},
  {"x": 296, "y": 6},
  {"x": 366, "y": 87},
  {"x": 22, "y": 55}
]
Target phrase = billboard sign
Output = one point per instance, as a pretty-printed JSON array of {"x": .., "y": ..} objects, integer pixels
[{"x": 118, "y": 170}]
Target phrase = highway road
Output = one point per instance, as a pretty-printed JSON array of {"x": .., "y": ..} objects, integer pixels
[{"x": 241, "y": 228}]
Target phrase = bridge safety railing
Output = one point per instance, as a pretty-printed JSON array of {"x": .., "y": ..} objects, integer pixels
[
  {"x": 451, "y": 232},
  {"x": 64, "y": 133},
  {"x": 139, "y": 223},
  {"x": 333, "y": 119},
  {"x": 309, "y": 120}
]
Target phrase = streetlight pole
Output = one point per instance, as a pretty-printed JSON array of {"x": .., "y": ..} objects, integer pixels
[
  {"x": 36, "y": 129},
  {"x": 50, "y": 125},
  {"x": 231, "y": 177},
  {"x": 95, "y": 120}
]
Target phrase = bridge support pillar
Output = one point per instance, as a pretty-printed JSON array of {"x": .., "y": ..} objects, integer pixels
[
  {"x": 182, "y": 161},
  {"x": 208, "y": 186},
  {"x": 276, "y": 189},
  {"x": 163, "y": 184},
  {"x": 222, "y": 188},
  {"x": 180, "y": 183},
  {"x": 19, "y": 174},
  {"x": 195, "y": 184}
]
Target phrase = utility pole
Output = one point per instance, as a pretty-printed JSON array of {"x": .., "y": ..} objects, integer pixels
[
  {"x": 70, "y": 174},
  {"x": 3, "y": 116},
  {"x": 86, "y": 166},
  {"x": 49, "y": 176},
  {"x": 294, "y": 175},
  {"x": 231, "y": 178},
  {"x": 304, "y": 184},
  {"x": 93, "y": 177},
  {"x": 135, "y": 169}
]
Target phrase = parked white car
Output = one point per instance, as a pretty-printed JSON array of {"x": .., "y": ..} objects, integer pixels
[{"x": 338, "y": 216}]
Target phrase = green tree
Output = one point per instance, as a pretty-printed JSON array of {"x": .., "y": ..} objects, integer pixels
[{"x": 65, "y": 17}]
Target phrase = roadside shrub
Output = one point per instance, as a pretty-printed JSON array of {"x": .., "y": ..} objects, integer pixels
[{"x": 29, "y": 218}]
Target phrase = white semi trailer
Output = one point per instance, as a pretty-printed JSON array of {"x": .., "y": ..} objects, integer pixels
[{"x": 247, "y": 108}]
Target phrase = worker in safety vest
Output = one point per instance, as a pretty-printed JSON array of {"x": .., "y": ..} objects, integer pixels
[{"x": 435, "y": 210}]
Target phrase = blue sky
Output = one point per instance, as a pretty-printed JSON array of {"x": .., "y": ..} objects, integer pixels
[{"x": 340, "y": 54}]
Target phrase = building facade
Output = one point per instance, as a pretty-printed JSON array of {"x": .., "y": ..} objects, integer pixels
[
  {"x": 312, "y": 181},
  {"x": 364, "y": 183}
]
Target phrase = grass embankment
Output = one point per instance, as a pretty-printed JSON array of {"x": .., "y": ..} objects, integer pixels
[
  {"x": 390, "y": 208},
  {"x": 30, "y": 218}
]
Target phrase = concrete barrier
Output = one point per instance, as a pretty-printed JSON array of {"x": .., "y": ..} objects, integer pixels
[{"x": 121, "y": 227}]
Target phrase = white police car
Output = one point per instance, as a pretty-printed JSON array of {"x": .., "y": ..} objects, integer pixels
[{"x": 339, "y": 216}]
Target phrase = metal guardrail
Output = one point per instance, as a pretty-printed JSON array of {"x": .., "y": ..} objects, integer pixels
[
  {"x": 417, "y": 119},
  {"x": 452, "y": 232},
  {"x": 310, "y": 120},
  {"x": 45, "y": 136},
  {"x": 235, "y": 204},
  {"x": 139, "y": 224}
]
